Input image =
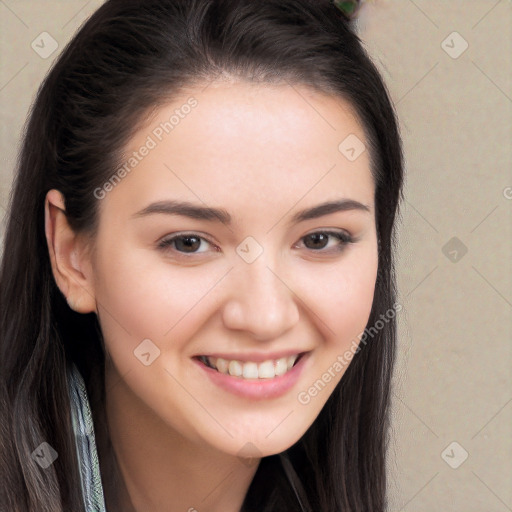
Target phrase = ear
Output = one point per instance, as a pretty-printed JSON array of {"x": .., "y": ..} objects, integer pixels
[{"x": 70, "y": 262}]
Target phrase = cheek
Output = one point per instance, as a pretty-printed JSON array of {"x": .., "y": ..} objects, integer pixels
[
  {"x": 141, "y": 296},
  {"x": 341, "y": 298}
]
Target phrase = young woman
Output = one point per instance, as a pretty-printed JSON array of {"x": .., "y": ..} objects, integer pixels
[{"x": 197, "y": 286}]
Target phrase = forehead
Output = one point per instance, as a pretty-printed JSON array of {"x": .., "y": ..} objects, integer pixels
[{"x": 241, "y": 143}]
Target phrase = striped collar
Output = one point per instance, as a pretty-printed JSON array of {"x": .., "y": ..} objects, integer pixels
[{"x": 83, "y": 428}]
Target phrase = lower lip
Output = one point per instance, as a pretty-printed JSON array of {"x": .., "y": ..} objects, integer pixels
[{"x": 256, "y": 389}]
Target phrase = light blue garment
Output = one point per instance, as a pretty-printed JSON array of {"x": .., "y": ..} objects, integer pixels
[{"x": 83, "y": 428}]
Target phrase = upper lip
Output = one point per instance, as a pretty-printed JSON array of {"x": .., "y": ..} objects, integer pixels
[{"x": 257, "y": 357}]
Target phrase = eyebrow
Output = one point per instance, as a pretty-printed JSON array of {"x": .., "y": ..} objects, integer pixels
[{"x": 193, "y": 211}]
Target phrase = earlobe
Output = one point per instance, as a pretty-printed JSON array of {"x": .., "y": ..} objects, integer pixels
[{"x": 65, "y": 254}]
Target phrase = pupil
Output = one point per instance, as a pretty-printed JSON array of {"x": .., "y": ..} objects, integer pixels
[
  {"x": 188, "y": 243},
  {"x": 318, "y": 238}
]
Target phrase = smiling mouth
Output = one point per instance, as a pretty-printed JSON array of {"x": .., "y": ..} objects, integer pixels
[{"x": 252, "y": 370}]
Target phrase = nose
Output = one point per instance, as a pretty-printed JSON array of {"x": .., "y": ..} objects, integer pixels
[{"x": 260, "y": 302}]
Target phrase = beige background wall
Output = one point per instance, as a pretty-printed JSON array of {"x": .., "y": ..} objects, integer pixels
[{"x": 454, "y": 382}]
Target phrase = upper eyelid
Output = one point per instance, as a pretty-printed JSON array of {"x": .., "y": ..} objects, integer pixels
[{"x": 168, "y": 239}]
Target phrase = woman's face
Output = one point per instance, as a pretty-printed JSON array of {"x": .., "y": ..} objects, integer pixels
[{"x": 217, "y": 242}]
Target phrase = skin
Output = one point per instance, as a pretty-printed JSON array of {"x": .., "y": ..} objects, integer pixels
[{"x": 262, "y": 153}]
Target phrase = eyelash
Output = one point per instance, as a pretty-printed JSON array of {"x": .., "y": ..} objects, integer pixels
[{"x": 344, "y": 240}]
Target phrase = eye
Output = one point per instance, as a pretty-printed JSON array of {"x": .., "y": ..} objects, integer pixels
[
  {"x": 187, "y": 243},
  {"x": 320, "y": 241}
]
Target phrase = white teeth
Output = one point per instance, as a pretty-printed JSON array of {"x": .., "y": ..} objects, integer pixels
[
  {"x": 281, "y": 366},
  {"x": 252, "y": 370},
  {"x": 235, "y": 368},
  {"x": 222, "y": 365},
  {"x": 266, "y": 370}
]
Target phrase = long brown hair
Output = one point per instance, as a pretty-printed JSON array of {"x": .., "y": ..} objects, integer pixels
[{"x": 128, "y": 57}]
